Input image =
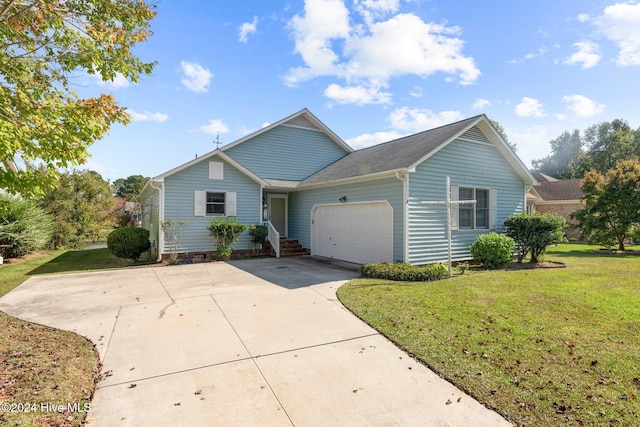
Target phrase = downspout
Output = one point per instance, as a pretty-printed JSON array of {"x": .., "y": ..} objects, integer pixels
[
  {"x": 405, "y": 214},
  {"x": 160, "y": 217}
]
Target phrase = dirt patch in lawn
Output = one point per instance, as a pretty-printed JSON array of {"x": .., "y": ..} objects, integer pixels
[
  {"x": 617, "y": 252},
  {"x": 541, "y": 264}
]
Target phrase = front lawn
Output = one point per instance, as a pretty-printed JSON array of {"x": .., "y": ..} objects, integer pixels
[
  {"x": 42, "y": 366},
  {"x": 543, "y": 347}
]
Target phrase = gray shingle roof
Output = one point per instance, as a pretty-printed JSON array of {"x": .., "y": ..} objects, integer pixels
[{"x": 389, "y": 156}]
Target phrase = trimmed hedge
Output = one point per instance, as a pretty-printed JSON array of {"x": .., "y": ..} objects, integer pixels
[
  {"x": 493, "y": 250},
  {"x": 401, "y": 271},
  {"x": 128, "y": 242}
]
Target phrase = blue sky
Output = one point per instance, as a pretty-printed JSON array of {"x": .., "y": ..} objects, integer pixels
[{"x": 371, "y": 70}]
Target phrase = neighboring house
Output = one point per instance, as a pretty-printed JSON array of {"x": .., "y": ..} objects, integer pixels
[
  {"x": 129, "y": 210},
  {"x": 358, "y": 206},
  {"x": 557, "y": 196}
]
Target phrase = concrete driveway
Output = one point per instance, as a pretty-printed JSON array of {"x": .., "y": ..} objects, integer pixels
[{"x": 248, "y": 343}]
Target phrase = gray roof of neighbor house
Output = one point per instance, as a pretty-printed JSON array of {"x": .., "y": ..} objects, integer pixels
[
  {"x": 401, "y": 153},
  {"x": 567, "y": 189}
]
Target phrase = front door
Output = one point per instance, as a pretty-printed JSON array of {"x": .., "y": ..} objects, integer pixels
[{"x": 278, "y": 212}]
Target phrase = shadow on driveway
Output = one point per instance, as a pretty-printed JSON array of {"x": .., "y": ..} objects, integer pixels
[{"x": 298, "y": 272}]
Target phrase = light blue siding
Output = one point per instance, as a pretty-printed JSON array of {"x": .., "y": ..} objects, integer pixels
[
  {"x": 286, "y": 152},
  {"x": 301, "y": 203},
  {"x": 150, "y": 205},
  {"x": 468, "y": 164},
  {"x": 179, "y": 203}
]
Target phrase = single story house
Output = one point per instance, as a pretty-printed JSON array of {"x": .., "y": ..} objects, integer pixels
[
  {"x": 357, "y": 206},
  {"x": 562, "y": 197}
]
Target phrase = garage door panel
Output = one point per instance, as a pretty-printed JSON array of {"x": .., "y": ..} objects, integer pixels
[{"x": 360, "y": 233}]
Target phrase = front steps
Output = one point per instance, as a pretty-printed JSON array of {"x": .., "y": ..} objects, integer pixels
[{"x": 289, "y": 248}]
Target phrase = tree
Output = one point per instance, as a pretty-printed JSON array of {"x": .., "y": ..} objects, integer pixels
[
  {"x": 82, "y": 206},
  {"x": 609, "y": 143},
  {"x": 567, "y": 158},
  {"x": 503, "y": 134},
  {"x": 612, "y": 204},
  {"x": 44, "y": 124},
  {"x": 129, "y": 188},
  {"x": 534, "y": 232}
]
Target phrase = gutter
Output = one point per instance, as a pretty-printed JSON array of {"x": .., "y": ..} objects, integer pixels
[
  {"x": 160, "y": 216},
  {"x": 405, "y": 214}
]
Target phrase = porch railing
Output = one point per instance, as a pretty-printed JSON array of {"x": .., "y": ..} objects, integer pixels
[{"x": 274, "y": 238}]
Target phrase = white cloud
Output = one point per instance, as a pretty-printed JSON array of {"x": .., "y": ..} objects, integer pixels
[
  {"x": 247, "y": 28},
  {"x": 214, "y": 127},
  {"x": 620, "y": 23},
  {"x": 147, "y": 116},
  {"x": 196, "y": 78},
  {"x": 359, "y": 95},
  {"x": 480, "y": 103},
  {"x": 369, "y": 139},
  {"x": 417, "y": 120},
  {"x": 583, "y": 17},
  {"x": 587, "y": 53},
  {"x": 583, "y": 106},
  {"x": 529, "y": 56},
  {"x": 417, "y": 92},
  {"x": 372, "y": 9},
  {"x": 561, "y": 116},
  {"x": 535, "y": 54},
  {"x": 366, "y": 56},
  {"x": 118, "y": 82},
  {"x": 529, "y": 107}
]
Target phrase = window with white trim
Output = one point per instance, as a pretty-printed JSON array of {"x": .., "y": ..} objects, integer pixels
[
  {"x": 212, "y": 203},
  {"x": 473, "y": 215},
  {"x": 215, "y": 203},
  {"x": 481, "y": 215}
]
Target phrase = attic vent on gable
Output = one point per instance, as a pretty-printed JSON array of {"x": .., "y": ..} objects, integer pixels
[
  {"x": 301, "y": 122},
  {"x": 475, "y": 134}
]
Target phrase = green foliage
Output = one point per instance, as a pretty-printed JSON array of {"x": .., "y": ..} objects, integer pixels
[
  {"x": 532, "y": 233},
  {"x": 503, "y": 134},
  {"x": 128, "y": 242},
  {"x": 600, "y": 147},
  {"x": 129, "y": 188},
  {"x": 258, "y": 234},
  {"x": 567, "y": 159},
  {"x": 23, "y": 225},
  {"x": 493, "y": 250},
  {"x": 173, "y": 236},
  {"x": 634, "y": 234},
  {"x": 227, "y": 231},
  {"x": 612, "y": 204},
  {"x": 82, "y": 207},
  {"x": 42, "y": 119},
  {"x": 402, "y": 271}
]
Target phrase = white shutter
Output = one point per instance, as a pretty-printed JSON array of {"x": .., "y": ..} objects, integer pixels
[
  {"x": 200, "y": 203},
  {"x": 455, "y": 193},
  {"x": 493, "y": 209},
  {"x": 230, "y": 204}
]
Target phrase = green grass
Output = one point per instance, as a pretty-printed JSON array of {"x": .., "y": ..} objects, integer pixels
[
  {"x": 543, "y": 347},
  {"x": 39, "y": 364}
]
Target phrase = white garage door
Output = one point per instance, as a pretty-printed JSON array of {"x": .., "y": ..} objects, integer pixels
[{"x": 355, "y": 232}]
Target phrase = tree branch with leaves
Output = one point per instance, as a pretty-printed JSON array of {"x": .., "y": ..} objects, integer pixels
[{"x": 44, "y": 124}]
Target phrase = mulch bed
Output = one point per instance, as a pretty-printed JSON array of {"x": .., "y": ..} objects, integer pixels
[{"x": 542, "y": 264}]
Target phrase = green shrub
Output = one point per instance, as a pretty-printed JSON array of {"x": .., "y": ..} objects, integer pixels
[
  {"x": 23, "y": 225},
  {"x": 534, "y": 232},
  {"x": 227, "y": 231},
  {"x": 258, "y": 234},
  {"x": 401, "y": 271},
  {"x": 128, "y": 242},
  {"x": 493, "y": 250}
]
